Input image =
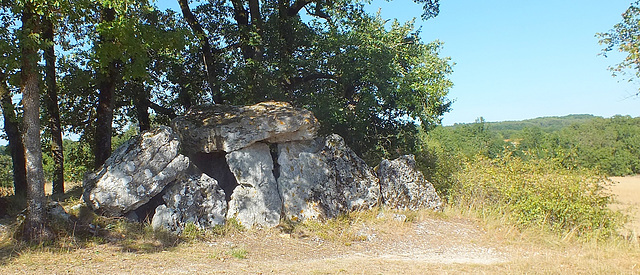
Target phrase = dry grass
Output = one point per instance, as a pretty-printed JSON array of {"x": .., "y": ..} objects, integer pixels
[
  {"x": 627, "y": 191},
  {"x": 378, "y": 241}
]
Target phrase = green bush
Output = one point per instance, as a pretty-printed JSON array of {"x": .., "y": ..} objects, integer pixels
[
  {"x": 537, "y": 193},
  {"x": 6, "y": 171}
]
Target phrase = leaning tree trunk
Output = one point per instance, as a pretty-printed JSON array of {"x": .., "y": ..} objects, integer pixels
[
  {"x": 107, "y": 87},
  {"x": 207, "y": 51},
  {"x": 14, "y": 136},
  {"x": 51, "y": 101},
  {"x": 35, "y": 226}
]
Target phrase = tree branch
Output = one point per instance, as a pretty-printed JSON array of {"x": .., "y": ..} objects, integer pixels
[
  {"x": 297, "y": 6},
  {"x": 162, "y": 110}
]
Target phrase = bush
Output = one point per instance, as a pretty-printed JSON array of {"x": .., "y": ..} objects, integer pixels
[{"x": 537, "y": 193}]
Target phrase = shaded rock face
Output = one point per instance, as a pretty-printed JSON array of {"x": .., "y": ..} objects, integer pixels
[
  {"x": 197, "y": 199},
  {"x": 255, "y": 164},
  {"x": 403, "y": 187},
  {"x": 136, "y": 172},
  {"x": 324, "y": 178},
  {"x": 219, "y": 128}
]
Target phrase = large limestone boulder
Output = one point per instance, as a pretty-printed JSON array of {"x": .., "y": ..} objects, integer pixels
[
  {"x": 197, "y": 199},
  {"x": 255, "y": 202},
  {"x": 136, "y": 172},
  {"x": 404, "y": 187},
  {"x": 219, "y": 128},
  {"x": 323, "y": 178}
]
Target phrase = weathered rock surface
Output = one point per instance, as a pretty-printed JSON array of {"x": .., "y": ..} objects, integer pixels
[
  {"x": 255, "y": 202},
  {"x": 219, "y": 128},
  {"x": 323, "y": 178},
  {"x": 253, "y": 164},
  {"x": 404, "y": 187},
  {"x": 137, "y": 171},
  {"x": 197, "y": 199}
]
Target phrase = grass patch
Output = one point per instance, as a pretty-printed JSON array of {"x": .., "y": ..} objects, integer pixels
[{"x": 238, "y": 253}]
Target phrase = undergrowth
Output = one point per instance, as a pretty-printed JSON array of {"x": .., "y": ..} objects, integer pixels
[{"x": 537, "y": 194}]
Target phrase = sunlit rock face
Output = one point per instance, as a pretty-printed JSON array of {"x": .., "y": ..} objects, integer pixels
[
  {"x": 136, "y": 172},
  {"x": 255, "y": 202},
  {"x": 324, "y": 178},
  {"x": 221, "y": 128}
]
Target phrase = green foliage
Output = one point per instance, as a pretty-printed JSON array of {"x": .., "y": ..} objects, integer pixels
[
  {"x": 624, "y": 38},
  {"x": 537, "y": 193},
  {"x": 610, "y": 145},
  {"x": 547, "y": 124},
  {"x": 6, "y": 169},
  {"x": 239, "y": 253}
]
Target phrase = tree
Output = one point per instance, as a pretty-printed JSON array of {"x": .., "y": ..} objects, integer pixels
[
  {"x": 8, "y": 65},
  {"x": 35, "y": 226},
  {"x": 51, "y": 102},
  {"x": 625, "y": 37},
  {"x": 205, "y": 48},
  {"x": 16, "y": 147},
  {"x": 108, "y": 75}
]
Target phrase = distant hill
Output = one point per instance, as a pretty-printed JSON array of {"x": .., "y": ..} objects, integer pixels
[
  {"x": 546, "y": 124},
  {"x": 550, "y": 124}
]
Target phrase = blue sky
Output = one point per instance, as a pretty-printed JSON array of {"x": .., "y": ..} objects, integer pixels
[{"x": 524, "y": 59}]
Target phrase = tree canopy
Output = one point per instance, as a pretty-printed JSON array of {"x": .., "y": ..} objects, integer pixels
[{"x": 119, "y": 64}]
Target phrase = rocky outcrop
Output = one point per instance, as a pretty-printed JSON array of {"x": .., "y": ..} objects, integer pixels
[
  {"x": 324, "y": 178},
  {"x": 255, "y": 164},
  {"x": 404, "y": 187},
  {"x": 136, "y": 172},
  {"x": 220, "y": 128}
]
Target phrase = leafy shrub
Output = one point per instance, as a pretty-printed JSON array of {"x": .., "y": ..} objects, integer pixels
[{"x": 537, "y": 193}]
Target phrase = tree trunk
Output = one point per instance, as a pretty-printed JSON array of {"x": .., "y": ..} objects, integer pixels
[
  {"x": 35, "y": 226},
  {"x": 256, "y": 21},
  {"x": 141, "y": 104},
  {"x": 14, "y": 136},
  {"x": 207, "y": 53},
  {"x": 107, "y": 89},
  {"x": 53, "y": 112},
  {"x": 241, "y": 16}
]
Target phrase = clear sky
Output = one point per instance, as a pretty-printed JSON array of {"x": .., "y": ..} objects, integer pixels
[{"x": 524, "y": 59}]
